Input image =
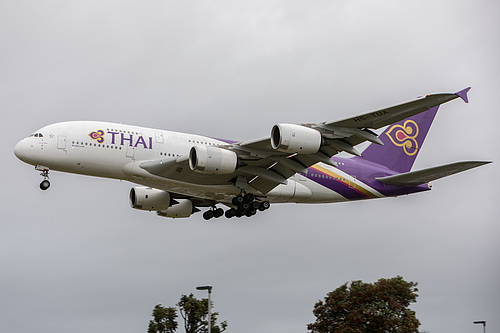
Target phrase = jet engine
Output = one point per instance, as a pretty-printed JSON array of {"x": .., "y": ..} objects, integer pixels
[
  {"x": 183, "y": 208},
  {"x": 146, "y": 198},
  {"x": 292, "y": 138},
  {"x": 212, "y": 160}
]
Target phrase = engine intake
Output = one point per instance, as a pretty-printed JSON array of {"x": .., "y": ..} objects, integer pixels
[
  {"x": 293, "y": 138},
  {"x": 212, "y": 160},
  {"x": 146, "y": 198}
]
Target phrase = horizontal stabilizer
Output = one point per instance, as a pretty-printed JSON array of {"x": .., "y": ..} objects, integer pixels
[{"x": 414, "y": 178}]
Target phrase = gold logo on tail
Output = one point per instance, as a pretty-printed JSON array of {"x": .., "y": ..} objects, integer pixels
[{"x": 405, "y": 136}]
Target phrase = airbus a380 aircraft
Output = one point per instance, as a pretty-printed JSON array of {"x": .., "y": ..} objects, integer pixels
[{"x": 181, "y": 173}]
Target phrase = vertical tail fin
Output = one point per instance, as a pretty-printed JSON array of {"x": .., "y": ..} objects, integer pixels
[{"x": 402, "y": 142}]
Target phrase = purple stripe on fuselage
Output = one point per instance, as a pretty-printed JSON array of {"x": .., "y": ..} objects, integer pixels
[
  {"x": 365, "y": 172},
  {"x": 341, "y": 186}
]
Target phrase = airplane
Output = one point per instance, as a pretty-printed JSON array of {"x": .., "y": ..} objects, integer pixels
[{"x": 180, "y": 173}]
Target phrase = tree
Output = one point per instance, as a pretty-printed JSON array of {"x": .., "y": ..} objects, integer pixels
[
  {"x": 195, "y": 315},
  {"x": 381, "y": 307},
  {"x": 163, "y": 320}
]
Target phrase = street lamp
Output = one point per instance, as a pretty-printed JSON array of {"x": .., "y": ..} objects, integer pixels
[
  {"x": 209, "y": 288},
  {"x": 482, "y": 322}
]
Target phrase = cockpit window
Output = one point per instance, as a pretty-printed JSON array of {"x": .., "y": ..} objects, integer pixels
[{"x": 37, "y": 135}]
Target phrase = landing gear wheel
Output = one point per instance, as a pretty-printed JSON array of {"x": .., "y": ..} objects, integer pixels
[
  {"x": 218, "y": 212},
  {"x": 244, "y": 207},
  {"x": 208, "y": 214},
  {"x": 45, "y": 184},
  {"x": 250, "y": 212},
  {"x": 249, "y": 197},
  {"x": 231, "y": 213},
  {"x": 264, "y": 205},
  {"x": 213, "y": 212},
  {"x": 255, "y": 205},
  {"x": 237, "y": 200}
]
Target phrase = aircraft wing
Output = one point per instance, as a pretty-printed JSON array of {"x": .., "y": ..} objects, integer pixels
[
  {"x": 267, "y": 162},
  {"x": 355, "y": 130},
  {"x": 337, "y": 136}
]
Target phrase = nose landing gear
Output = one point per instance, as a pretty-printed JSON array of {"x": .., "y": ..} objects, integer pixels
[{"x": 45, "y": 184}]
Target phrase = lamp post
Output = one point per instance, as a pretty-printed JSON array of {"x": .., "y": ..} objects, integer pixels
[
  {"x": 482, "y": 322},
  {"x": 209, "y": 288}
]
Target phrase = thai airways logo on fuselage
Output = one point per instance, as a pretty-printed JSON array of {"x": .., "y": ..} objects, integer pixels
[
  {"x": 405, "y": 136},
  {"x": 98, "y": 136},
  {"x": 123, "y": 139}
]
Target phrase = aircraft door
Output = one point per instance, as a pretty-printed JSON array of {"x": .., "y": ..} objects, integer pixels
[
  {"x": 61, "y": 142},
  {"x": 130, "y": 152},
  {"x": 159, "y": 137},
  {"x": 352, "y": 182}
]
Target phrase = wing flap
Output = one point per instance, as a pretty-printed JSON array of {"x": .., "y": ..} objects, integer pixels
[
  {"x": 419, "y": 177},
  {"x": 263, "y": 185},
  {"x": 264, "y": 173}
]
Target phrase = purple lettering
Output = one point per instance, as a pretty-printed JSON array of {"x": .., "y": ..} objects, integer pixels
[
  {"x": 127, "y": 139},
  {"x": 113, "y": 137},
  {"x": 141, "y": 141},
  {"x": 150, "y": 143}
]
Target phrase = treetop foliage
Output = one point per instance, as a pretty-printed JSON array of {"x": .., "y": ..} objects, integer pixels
[
  {"x": 361, "y": 307},
  {"x": 163, "y": 320},
  {"x": 194, "y": 313}
]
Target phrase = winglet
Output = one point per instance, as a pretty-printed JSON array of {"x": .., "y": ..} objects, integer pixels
[{"x": 463, "y": 94}]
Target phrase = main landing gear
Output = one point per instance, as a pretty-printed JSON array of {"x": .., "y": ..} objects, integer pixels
[
  {"x": 213, "y": 212},
  {"x": 246, "y": 205},
  {"x": 45, "y": 184}
]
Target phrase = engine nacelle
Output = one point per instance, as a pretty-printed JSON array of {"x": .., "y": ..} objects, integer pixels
[
  {"x": 146, "y": 198},
  {"x": 212, "y": 160},
  {"x": 292, "y": 138},
  {"x": 184, "y": 208}
]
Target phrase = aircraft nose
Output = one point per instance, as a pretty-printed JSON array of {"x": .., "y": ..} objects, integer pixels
[
  {"x": 18, "y": 149},
  {"x": 25, "y": 151}
]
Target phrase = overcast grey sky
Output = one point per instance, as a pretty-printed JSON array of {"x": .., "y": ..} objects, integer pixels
[{"x": 77, "y": 258}]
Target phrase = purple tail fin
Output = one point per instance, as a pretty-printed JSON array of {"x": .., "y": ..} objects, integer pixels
[{"x": 402, "y": 142}]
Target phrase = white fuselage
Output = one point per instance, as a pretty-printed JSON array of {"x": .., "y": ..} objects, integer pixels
[{"x": 116, "y": 151}]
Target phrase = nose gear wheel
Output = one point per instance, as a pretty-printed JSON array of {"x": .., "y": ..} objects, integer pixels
[{"x": 45, "y": 184}]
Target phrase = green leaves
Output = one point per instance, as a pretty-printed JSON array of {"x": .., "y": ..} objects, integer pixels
[
  {"x": 194, "y": 313},
  {"x": 365, "y": 308},
  {"x": 163, "y": 320}
]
